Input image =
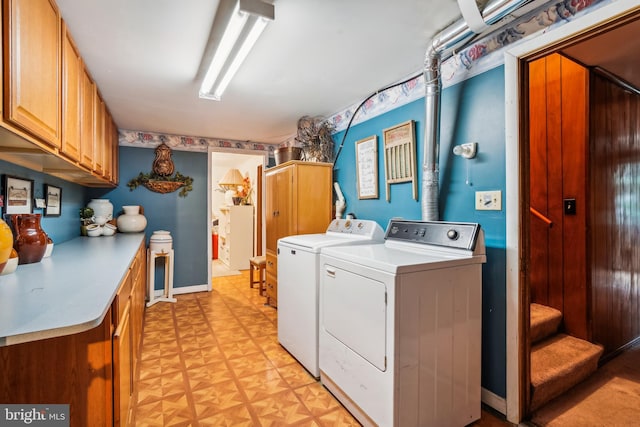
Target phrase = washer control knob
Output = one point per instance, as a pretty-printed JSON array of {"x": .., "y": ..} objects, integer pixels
[
  {"x": 347, "y": 224},
  {"x": 452, "y": 234}
]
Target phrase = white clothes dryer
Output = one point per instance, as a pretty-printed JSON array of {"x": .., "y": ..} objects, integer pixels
[
  {"x": 400, "y": 325},
  {"x": 298, "y": 280}
]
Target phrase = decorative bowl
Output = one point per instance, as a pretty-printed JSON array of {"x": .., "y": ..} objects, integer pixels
[{"x": 94, "y": 230}]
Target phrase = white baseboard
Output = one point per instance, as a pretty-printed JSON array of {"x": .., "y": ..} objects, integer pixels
[
  {"x": 493, "y": 400},
  {"x": 183, "y": 290}
]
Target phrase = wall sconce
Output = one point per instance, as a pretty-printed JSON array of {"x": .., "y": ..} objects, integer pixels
[
  {"x": 468, "y": 150},
  {"x": 247, "y": 21},
  {"x": 230, "y": 182}
]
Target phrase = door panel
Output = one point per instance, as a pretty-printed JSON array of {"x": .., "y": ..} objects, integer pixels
[{"x": 355, "y": 313}]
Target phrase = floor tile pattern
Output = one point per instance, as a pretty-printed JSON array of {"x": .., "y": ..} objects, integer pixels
[{"x": 213, "y": 359}]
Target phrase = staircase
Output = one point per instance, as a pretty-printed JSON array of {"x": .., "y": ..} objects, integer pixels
[{"x": 558, "y": 361}]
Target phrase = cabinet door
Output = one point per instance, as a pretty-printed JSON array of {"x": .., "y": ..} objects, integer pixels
[
  {"x": 98, "y": 133},
  {"x": 87, "y": 104},
  {"x": 71, "y": 81},
  {"x": 313, "y": 199},
  {"x": 33, "y": 61},
  {"x": 110, "y": 145},
  {"x": 279, "y": 205},
  {"x": 122, "y": 370}
]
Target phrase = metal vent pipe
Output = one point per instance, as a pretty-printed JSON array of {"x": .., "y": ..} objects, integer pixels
[{"x": 441, "y": 47}]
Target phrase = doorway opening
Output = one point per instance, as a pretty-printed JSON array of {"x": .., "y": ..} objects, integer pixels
[
  {"x": 587, "y": 29},
  {"x": 237, "y": 230}
]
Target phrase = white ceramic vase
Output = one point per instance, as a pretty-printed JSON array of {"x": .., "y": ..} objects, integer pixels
[
  {"x": 101, "y": 208},
  {"x": 132, "y": 221}
]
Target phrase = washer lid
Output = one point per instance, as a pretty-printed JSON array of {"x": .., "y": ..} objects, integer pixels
[
  {"x": 339, "y": 232},
  {"x": 398, "y": 260},
  {"x": 313, "y": 242}
]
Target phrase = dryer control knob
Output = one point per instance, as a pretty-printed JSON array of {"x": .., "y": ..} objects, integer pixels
[{"x": 452, "y": 234}]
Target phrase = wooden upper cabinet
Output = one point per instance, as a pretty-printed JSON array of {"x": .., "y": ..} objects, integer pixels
[
  {"x": 32, "y": 31},
  {"x": 87, "y": 105},
  {"x": 71, "y": 83},
  {"x": 108, "y": 146},
  {"x": 98, "y": 134}
]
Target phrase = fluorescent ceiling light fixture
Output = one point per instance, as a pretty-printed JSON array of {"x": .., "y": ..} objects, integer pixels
[{"x": 248, "y": 19}]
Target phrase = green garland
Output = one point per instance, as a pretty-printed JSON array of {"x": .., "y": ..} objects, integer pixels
[{"x": 143, "y": 178}]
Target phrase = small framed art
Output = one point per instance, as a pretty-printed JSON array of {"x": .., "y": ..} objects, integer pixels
[
  {"x": 53, "y": 200},
  {"x": 367, "y": 167},
  {"x": 18, "y": 195}
]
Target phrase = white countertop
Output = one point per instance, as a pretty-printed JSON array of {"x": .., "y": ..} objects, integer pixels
[{"x": 66, "y": 293}]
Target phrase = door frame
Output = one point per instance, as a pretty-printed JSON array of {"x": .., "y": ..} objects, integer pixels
[
  {"x": 210, "y": 185},
  {"x": 516, "y": 191}
]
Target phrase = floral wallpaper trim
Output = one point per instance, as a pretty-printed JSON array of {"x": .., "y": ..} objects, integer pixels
[
  {"x": 131, "y": 138},
  {"x": 481, "y": 56}
]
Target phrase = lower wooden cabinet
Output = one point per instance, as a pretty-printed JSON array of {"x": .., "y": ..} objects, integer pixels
[
  {"x": 94, "y": 370},
  {"x": 122, "y": 369},
  {"x": 129, "y": 307}
]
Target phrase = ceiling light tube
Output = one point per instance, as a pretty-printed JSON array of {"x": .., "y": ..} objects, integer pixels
[
  {"x": 255, "y": 11},
  {"x": 244, "y": 50},
  {"x": 229, "y": 39}
]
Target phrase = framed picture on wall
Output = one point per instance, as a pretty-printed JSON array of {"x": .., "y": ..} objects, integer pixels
[
  {"x": 53, "y": 200},
  {"x": 400, "y": 156},
  {"x": 367, "y": 167},
  {"x": 18, "y": 195}
]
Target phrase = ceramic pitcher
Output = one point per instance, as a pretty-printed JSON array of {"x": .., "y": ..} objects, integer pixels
[{"x": 30, "y": 239}]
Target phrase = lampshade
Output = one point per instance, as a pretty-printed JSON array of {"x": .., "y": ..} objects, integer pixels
[
  {"x": 231, "y": 180},
  {"x": 247, "y": 21}
]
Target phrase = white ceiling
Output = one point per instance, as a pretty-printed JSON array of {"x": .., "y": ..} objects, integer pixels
[{"x": 316, "y": 58}]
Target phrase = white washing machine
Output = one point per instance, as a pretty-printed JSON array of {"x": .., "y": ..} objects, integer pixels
[
  {"x": 298, "y": 278},
  {"x": 400, "y": 325}
]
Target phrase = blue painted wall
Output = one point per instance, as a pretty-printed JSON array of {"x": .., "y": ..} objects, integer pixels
[
  {"x": 67, "y": 225},
  {"x": 184, "y": 217},
  {"x": 472, "y": 111}
]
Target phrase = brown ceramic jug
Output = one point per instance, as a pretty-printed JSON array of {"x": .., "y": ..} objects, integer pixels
[{"x": 30, "y": 239}]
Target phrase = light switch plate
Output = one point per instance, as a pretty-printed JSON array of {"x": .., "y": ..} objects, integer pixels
[{"x": 489, "y": 200}]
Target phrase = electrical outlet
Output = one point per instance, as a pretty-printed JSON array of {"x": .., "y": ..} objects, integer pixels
[{"x": 489, "y": 200}]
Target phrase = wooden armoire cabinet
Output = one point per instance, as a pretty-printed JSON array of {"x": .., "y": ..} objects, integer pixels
[{"x": 299, "y": 201}]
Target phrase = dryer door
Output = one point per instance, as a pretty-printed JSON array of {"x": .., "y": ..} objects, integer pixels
[{"x": 355, "y": 313}]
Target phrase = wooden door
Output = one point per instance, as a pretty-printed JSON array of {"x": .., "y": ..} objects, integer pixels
[
  {"x": 87, "y": 105},
  {"x": 122, "y": 377},
  {"x": 558, "y": 193},
  {"x": 278, "y": 206},
  {"x": 32, "y": 29},
  {"x": 71, "y": 82},
  {"x": 98, "y": 133},
  {"x": 615, "y": 213}
]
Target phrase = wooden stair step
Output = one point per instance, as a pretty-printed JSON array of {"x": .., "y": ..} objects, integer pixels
[
  {"x": 544, "y": 321},
  {"x": 558, "y": 363}
]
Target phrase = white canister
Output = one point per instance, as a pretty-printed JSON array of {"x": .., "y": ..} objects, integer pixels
[
  {"x": 101, "y": 208},
  {"x": 160, "y": 241},
  {"x": 132, "y": 221}
]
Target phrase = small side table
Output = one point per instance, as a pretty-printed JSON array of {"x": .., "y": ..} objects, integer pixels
[{"x": 168, "y": 276}]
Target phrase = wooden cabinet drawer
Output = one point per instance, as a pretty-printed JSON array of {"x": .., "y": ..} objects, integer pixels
[{"x": 272, "y": 263}]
